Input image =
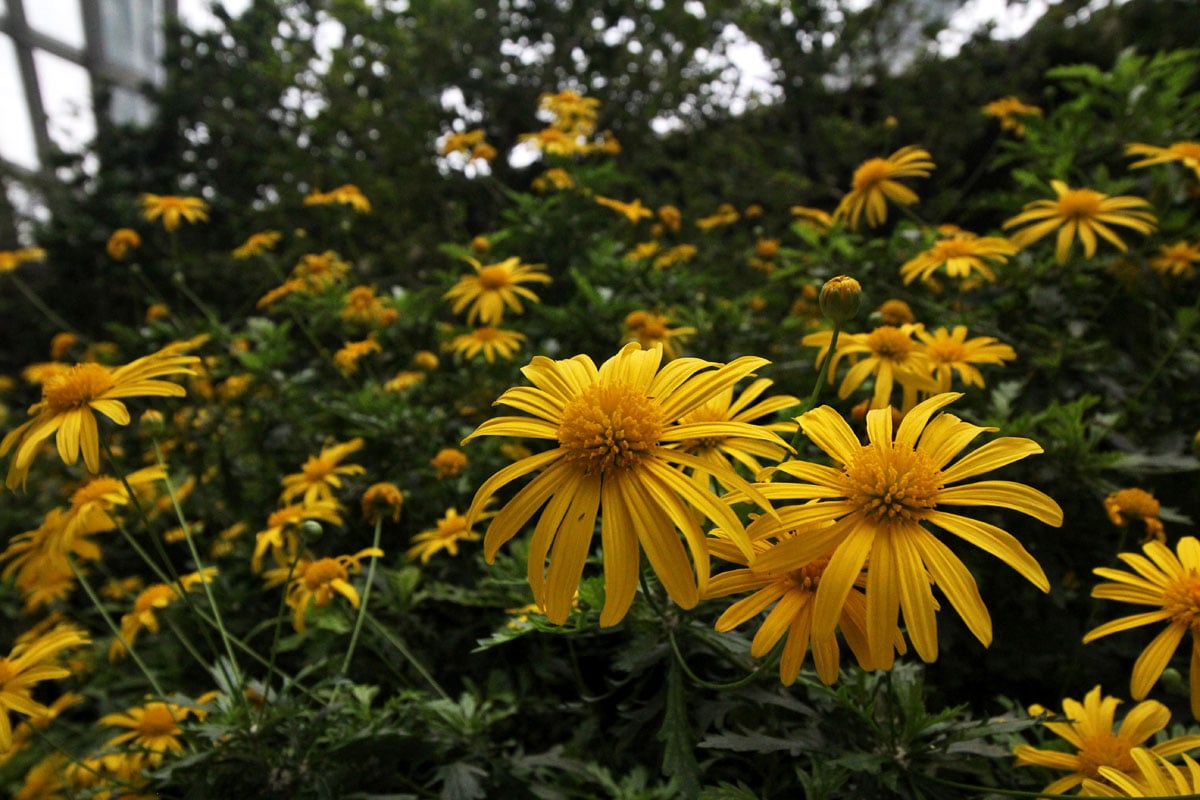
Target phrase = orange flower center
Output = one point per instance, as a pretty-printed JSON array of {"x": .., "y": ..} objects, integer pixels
[
  {"x": 451, "y": 527},
  {"x": 6, "y": 672},
  {"x": 653, "y": 329},
  {"x": 322, "y": 572},
  {"x": 609, "y": 426},
  {"x": 870, "y": 174},
  {"x": 808, "y": 576},
  {"x": 892, "y": 483},
  {"x": 494, "y": 277},
  {"x": 316, "y": 469},
  {"x": 1105, "y": 750},
  {"x": 889, "y": 343},
  {"x": 76, "y": 387},
  {"x": 1182, "y": 600},
  {"x": 487, "y": 334},
  {"x": 1188, "y": 152},
  {"x": 952, "y": 248},
  {"x": 1080, "y": 204},
  {"x": 946, "y": 351},
  {"x": 97, "y": 490},
  {"x": 156, "y": 721}
]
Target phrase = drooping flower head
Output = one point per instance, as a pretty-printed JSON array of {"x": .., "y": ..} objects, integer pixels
[
  {"x": 1088, "y": 728},
  {"x": 1169, "y": 585},
  {"x": 380, "y": 500},
  {"x": 882, "y": 498},
  {"x": 485, "y": 294},
  {"x": 121, "y": 242},
  {"x": 72, "y": 398},
  {"x": 1124, "y": 506},
  {"x": 173, "y": 209},
  {"x": 27, "y": 664},
  {"x": 1083, "y": 212},
  {"x": 615, "y": 429},
  {"x": 875, "y": 183}
]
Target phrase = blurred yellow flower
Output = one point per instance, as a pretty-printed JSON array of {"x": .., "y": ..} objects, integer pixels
[
  {"x": 121, "y": 242},
  {"x": 1085, "y": 212},
  {"x": 283, "y": 525},
  {"x": 27, "y": 664},
  {"x": 492, "y": 342},
  {"x": 449, "y": 462},
  {"x": 321, "y": 474},
  {"x": 950, "y": 351},
  {"x": 874, "y": 184},
  {"x": 960, "y": 254},
  {"x": 257, "y": 244},
  {"x": 347, "y": 194},
  {"x": 450, "y": 531},
  {"x": 404, "y": 380},
  {"x": 11, "y": 259},
  {"x": 315, "y": 582},
  {"x": 634, "y": 212},
  {"x": 1177, "y": 259},
  {"x": 725, "y": 214},
  {"x": 350, "y": 353},
  {"x": 485, "y": 294},
  {"x": 382, "y": 499},
  {"x": 1009, "y": 111},
  {"x": 1187, "y": 153},
  {"x": 173, "y": 209},
  {"x": 654, "y": 329},
  {"x": 679, "y": 254},
  {"x": 153, "y": 727}
]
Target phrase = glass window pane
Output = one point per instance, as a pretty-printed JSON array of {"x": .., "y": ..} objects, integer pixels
[
  {"x": 131, "y": 35},
  {"x": 130, "y": 108},
  {"x": 59, "y": 19},
  {"x": 67, "y": 98},
  {"x": 17, "y": 144}
]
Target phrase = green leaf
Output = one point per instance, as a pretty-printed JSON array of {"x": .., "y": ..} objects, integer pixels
[{"x": 679, "y": 756}]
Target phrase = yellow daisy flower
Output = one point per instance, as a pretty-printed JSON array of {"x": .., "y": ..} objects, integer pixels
[
  {"x": 450, "y": 530},
  {"x": 790, "y": 594},
  {"x": 1156, "y": 777},
  {"x": 448, "y": 462},
  {"x": 257, "y": 244},
  {"x": 1177, "y": 259},
  {"x": 679, "y": 254},
  {"x": 71, "y": 399},
  {"x": 153, "y": 727},
  {"x": 959, "y": 254},
  {"x": 321, "y": 474},
  {"x": 951, "y": 351},
  {"x": 615, "y": 428},
  {"x": 382, "y": 499},
  {"x": 1168, "y": 583},
  {"x": 1186, "y": 153},
  {"x": 282, "y": 531},
  {"x": 725, "y": 214},
  {"x": 350, "y": 353},
  {"x": 1009, "y": 111},
  {"x": 723, "y": 407},
  {"x": 1088, "y": 727},
  {"x": 11, "y": 259},
  {"x": 653, "y": 330},
  {"x": 492, "y": 342},
  {"x": 874, "y": 184},
  {"x": 315, "y": 582},
  {"x": 485, "y": 294},
  {"x": 347, "y": 194},
  {"x": 154, "y": 597},
  {"x": 880, "y": 497},
  {"x": 26, "y": 665},
  {"x": 1084, "y": 211},
  {"x": 634, "y": 212},
  {"x": 890, "y": 354},
  {"x": 173, "y": 209}
]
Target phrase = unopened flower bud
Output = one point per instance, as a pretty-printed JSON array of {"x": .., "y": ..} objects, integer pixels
[
  {"x": 311, "y": 530},
  {"x": 840, "y": 298}
]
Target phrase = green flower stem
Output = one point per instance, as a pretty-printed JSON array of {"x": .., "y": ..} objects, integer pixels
[
  {"x": 362, "y": 606},
  {"x": 87, "y": 587},
  {"x": 735, "y": 684},
  {"x": 279, "y": 615},
  {"x": 235, "y": 679},
  {"x": 395, "y": 642},
  {"x": 41, "y": 306},
  {"x": 822, "y": 378}
]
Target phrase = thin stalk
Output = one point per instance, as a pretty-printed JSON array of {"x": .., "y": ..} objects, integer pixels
[
  {"x": 235, "y": 679},
  {"x": 822, "y": 379},
  {"x": 404, "y": 651},
  {"x": 366, "y": 596},
  {"x": 87, "y": 587},
  {"x": 279, "y": 617},
  {"x": 41, "y": 306}
]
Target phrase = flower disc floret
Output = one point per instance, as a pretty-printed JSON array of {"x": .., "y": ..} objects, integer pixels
[{"x": 609, "y": 428}]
